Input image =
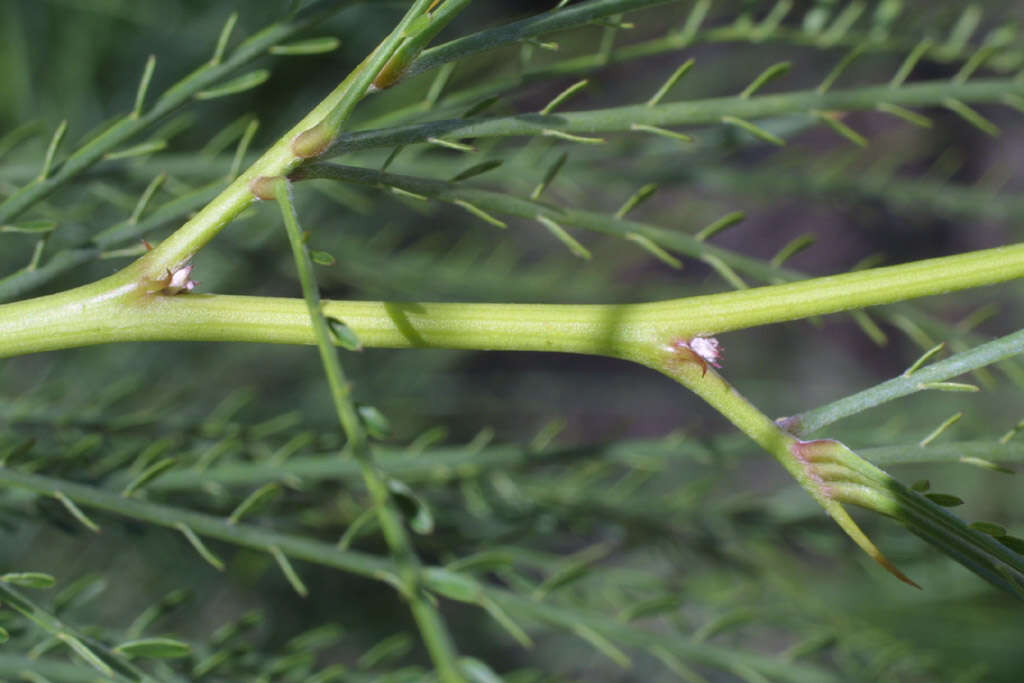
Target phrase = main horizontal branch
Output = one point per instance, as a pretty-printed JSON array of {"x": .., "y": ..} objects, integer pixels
[{"x": 125, "y": 307}]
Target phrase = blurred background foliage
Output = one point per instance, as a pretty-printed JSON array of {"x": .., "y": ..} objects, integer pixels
[{"x": 579, "y": 482}]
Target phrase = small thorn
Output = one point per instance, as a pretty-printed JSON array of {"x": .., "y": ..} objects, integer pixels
[
  {"x": 910, "y": 62},
  {"x": 476, "y": 169},
  {"x": 200, "y": 547},
  {"x": 906, "y": 114},
  {"x": 140, "y": 93},
  {"x": 833, "y": 121},
  {"x": 255, "y": 501},
  {"x": 310, "y": 46},
  {"x": 1008, "y": 436},
  {"x": 289, "y": 571},
  {"x": 480, "y": 213},
  {"x": 549, "y": 175},
  {"x": 637, "y": 198},
  {"x": 841, "y": 24},
  {"x": 928, "y": 355},
  {"x": 391, "y": 158},
  {"x": 443, "y": 74},
  {"x": 693, "y": 22},
  {"x": 869, "y": 327},
  {"x": 843, "y": 64},
  {"x": 451, "y": 144},
  {"x": 246, "y": 81},
  {"x": 975, "y": 62},
  {"x": 76, "y": 512},
  {"x": 947, "y": 386},
  {"x": 564, "y": 237},
  {"x": 726, "y": 221},
  {"x": 964, "y": 28},
  {"x": 773, "y": 19},
  {"x": 754, "y": 130},
  {"x": 148, "y": 475},
  {"x": 413, "y": 195},
  {"x": 671, "y": 81},
  {"x": 725, "y": 271},
  {"x": 563, "y": 96},
  {"x": 550, "y": 46},
  {"x": 946, "y": 424},
  {"x": 51, "y": 150},
  {"x": 243, "y": 147},
  {"x": 551, "y": 132},
  {"x": 222, "y": 39},
  {"x": 769, "y": 74},
  {"x": 144, "y": 200},
  {"x": 792, "y": 248},
  {"x": 481, "y": 106},
  {"x": 663, "y": 132},
  {"x": 971, "y": 116}
]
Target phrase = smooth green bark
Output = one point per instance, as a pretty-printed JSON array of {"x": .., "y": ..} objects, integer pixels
[{"x": 131, "y": 306}]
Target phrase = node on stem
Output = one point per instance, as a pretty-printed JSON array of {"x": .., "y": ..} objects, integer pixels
[{"x": 703, "y": 350}]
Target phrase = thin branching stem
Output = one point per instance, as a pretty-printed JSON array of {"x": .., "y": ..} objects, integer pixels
[
  {"x": 65, "y": 260},
  {"x": 571, "y": 17},
  {"x": 12, "y": 665},
  {"x": 691, "y": 113},
  {"x": 96, "y": 654},
  {"x": 383, "y": 569},
  {"x": 326, "y": 118},
  {"x": 906, "y": 384},
  {"x": 432, "y": 626},
  {"x": 125, "y": 128},
  {"x": 674, "y": 40}
]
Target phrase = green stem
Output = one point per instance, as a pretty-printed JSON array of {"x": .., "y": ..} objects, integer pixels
[
  {"x": 398, "y": 64},
  {"x": 121, "y": 308},
  {"x": 982, "y": 454},
  {"x": 549, "y": 22},
  {"x": 12, "y": 666},
  {"x": 700, "y": 112},
  {"x": 65, "y": 260},
  {"x": 257, "y": 538},
  {"x": 328, "y": 354},
  {"x": 910, "y": 197},
  {"x": 326, "y": 118},
  {"x": 101, "y": 658},
  {"x": 503, "y": 203},
  {"x": 833, "y": 474},
  {"x": 676, "y": 39},
  {"x": 440, "y": 580},
  {"x": 312, "y": 140},
  {"x": 905, "y": 384},
  {"x": 129, "y": 126},
  {"x": 810, "y": 463},
  {"x": 432, "y": 626}
]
